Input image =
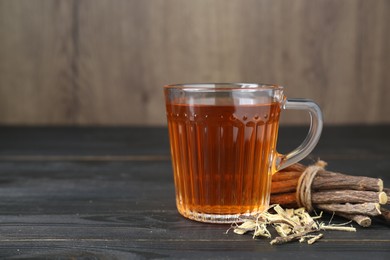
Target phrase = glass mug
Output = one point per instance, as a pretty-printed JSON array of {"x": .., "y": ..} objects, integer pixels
[{"x": 223, "y": 146}]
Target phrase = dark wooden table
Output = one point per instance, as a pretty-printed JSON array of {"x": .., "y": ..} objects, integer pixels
[{"x": 107, "y": 193}]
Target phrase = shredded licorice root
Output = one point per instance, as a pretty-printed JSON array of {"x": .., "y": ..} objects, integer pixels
[{"x": 290, "y": 224}]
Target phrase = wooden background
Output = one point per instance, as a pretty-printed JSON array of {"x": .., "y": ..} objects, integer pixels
[{"x": 103, "y": 62}]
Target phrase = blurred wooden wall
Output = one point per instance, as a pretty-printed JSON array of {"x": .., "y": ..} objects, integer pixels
[{"x": 83, "y": 62}]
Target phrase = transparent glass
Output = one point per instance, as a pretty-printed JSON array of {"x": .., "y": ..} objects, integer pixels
[{"x": 223, "y": 145}]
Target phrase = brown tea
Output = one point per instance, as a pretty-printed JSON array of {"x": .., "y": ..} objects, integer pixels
[{"x": 222, "y": 157}]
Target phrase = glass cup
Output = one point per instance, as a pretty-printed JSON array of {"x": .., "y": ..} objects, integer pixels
[{"x": 223, "y": 146}]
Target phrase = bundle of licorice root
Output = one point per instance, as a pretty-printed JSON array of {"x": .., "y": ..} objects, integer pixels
[{"x": 356, "y": 198}]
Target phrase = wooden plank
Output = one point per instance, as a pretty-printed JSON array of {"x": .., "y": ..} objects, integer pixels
[
  {"x": 104, "y": 62},
  {"x": 248, "y": 249},
  {"x": 85, "y": 142},
  {"x": 125, "y": 143}
]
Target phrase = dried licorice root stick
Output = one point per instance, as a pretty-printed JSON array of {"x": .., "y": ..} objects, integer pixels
[
  {"x": 387, "y": 191},
  {"x": 331, "y": 197},
  {"x": 361, "y": 220},
  {"x": 286, "y": 175},
  {"x": 367, "y": 209},
  {"x": 326, "y": 180},
  {"x": 385, "y": 215},
  {"x": 288, "y": 185},
  {"x": 288, "y": 200},
  {"x": 348, "y": 196},
  {"x": 296, "y": 167}
]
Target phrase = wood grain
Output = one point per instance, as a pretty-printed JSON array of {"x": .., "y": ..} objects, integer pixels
[
  {"x": 104, "y": 62},
  {"x": 125, "y": 209}
]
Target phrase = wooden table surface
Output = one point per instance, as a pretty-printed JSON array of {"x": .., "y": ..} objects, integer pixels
[{"x": 107, "y": 193}]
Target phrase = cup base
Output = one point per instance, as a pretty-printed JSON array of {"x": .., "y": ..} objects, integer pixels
[{"x": 216, "y": 218}]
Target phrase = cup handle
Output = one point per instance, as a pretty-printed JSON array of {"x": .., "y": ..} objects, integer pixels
[{"x": 312, "y": 138}]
